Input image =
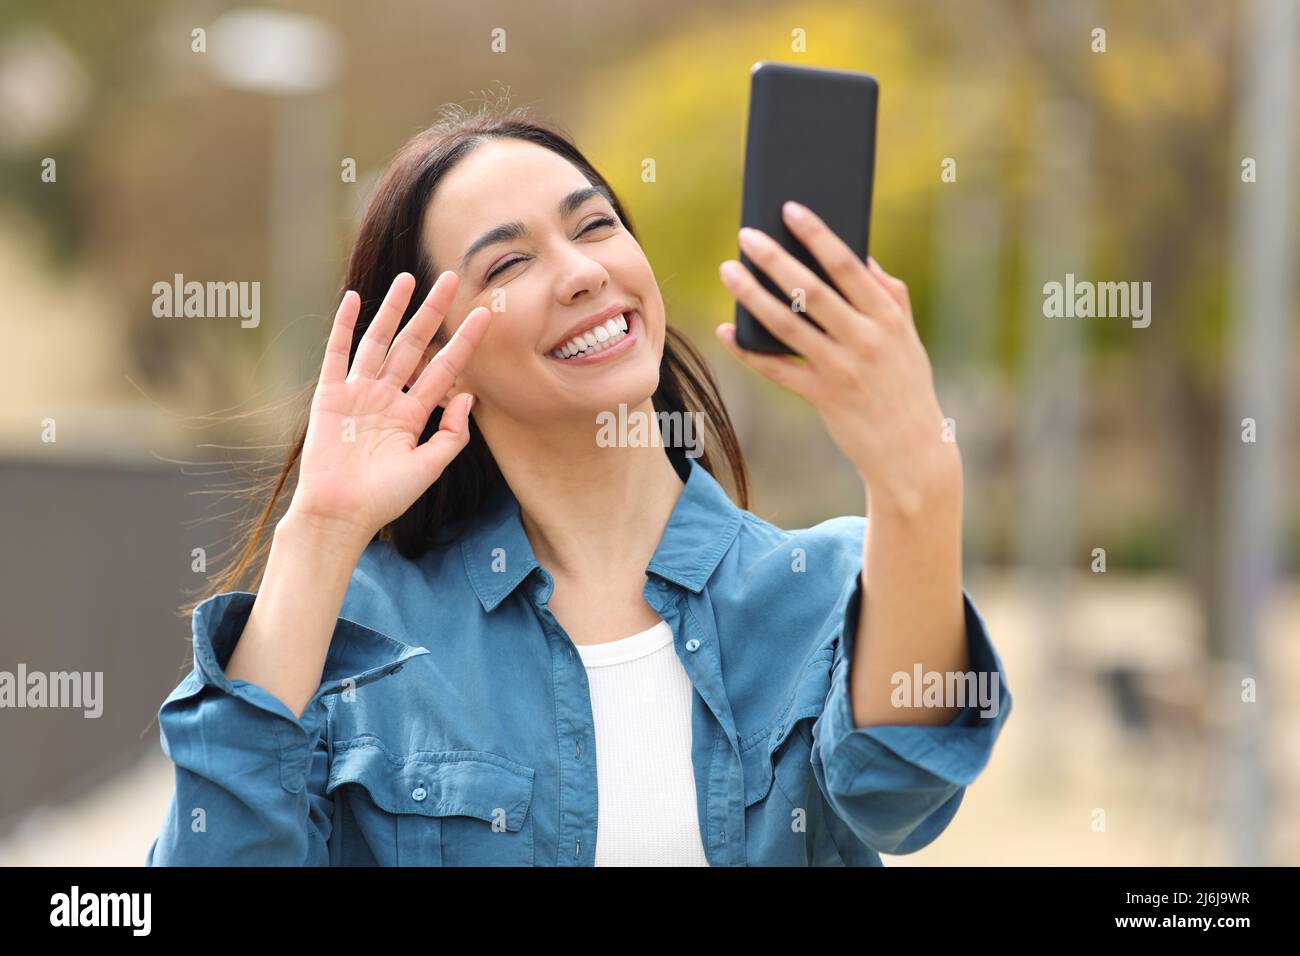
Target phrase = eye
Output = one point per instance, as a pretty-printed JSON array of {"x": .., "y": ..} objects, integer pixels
[
  {"x": 594, "y": 224},
  {"x": 501, "y": 268}
]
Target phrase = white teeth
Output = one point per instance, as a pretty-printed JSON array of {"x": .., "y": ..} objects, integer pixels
[{"x": 596, "y": 340}]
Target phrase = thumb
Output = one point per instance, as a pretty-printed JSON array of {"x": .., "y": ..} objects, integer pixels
[{"x": 451, "y": 437}]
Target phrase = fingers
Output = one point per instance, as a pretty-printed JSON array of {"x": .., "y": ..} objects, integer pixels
[
  {"x": 374, "y": 344},
  {"x": 786, "y": 370},
  {"x": 452, "y": 436},
  {"x": 411, "y": 342},
  {"x": 339, "y": 347},
  {"x": 776, "y": 316},
  {"x": 895, "y": 286},
  {"x": 826, "y": 306},
  {"x": 444, "y": 368},
  {"x": 862, "y": 289}
]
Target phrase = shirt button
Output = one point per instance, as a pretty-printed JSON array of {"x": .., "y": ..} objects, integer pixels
[
  {"x": 693, "y": 645},
  {"x": 418, "y": 794}
]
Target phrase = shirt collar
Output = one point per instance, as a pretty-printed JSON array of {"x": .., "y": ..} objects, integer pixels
[{"x": 703, "y": 523}]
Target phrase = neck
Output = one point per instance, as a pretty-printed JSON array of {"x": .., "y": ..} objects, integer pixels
[{"x": 589, "y": 512}]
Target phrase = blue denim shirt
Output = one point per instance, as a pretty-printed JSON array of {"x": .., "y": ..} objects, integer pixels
[{"x": 453, "y": 724}]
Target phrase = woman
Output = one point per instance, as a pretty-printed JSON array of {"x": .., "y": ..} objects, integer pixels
[{"x": 505, "y": 640}]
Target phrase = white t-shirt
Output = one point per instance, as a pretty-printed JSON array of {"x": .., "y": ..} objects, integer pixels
[{"x": 641, "y": 704}]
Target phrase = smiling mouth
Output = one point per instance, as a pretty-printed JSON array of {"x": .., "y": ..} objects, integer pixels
[{"x": 620, "y": 334}]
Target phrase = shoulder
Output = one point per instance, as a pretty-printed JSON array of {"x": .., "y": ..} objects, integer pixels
[
  {"x": 777, "y": 602},
  {"x": 831, "y": 546},
  {"x": 388, "y": 592},
  {"x": 775, "y": 583}
]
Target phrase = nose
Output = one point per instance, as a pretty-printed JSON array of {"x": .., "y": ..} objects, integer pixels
[{"x": 580, "y": 273}]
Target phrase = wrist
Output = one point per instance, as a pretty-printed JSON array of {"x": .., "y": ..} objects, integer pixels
[
  {"x": 925, "y": 488},
  {"x": 330, "y": 535}
]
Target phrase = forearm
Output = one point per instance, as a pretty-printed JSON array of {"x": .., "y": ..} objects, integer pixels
[
  {"x": 912, "y": 609},
  {"x": 287, "y": 636}
]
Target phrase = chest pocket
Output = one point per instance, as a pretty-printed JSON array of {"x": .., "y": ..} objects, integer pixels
[{"x": 436, "y": 808}]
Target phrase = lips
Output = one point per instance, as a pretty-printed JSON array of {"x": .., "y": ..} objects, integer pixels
[
  {"x": 590, "y": 322},
  {"x": 596, "y": 340},
  {"x": 606, "y": 352}
]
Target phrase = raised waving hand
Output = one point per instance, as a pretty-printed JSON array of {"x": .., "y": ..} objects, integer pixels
[{"x": 362, "y": 462}]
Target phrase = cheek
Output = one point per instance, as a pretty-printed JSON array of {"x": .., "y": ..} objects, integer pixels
[
  {"x": 641, "y": 277},
  {"x": 507, "y": 356},
  {"x": 633, "y": 261}
]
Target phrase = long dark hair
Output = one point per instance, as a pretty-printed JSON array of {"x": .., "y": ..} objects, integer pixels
[{"x": 388, "y": 243}]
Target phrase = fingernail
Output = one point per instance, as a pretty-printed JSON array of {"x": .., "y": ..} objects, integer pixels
[
  {"x": 794, "y": 211},
  {"x": 748, "y": 239},
  {"x": 470, "y": 407}
]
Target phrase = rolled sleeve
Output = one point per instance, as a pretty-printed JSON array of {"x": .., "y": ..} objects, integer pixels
[
  {"x": 898, "y": 786},
  {"x": 250, "y": 774}
]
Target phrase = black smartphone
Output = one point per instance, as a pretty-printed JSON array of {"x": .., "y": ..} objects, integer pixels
[{"x": 811, "y": 137}]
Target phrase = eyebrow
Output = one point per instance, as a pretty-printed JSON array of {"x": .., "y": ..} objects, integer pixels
[{"x": 509, "y": 231}]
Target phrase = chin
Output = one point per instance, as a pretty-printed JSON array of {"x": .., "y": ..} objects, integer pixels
[{"x": 630, "y": 387}]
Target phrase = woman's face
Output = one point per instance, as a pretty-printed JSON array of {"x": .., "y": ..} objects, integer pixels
[{"x": 570, "y": 261}]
